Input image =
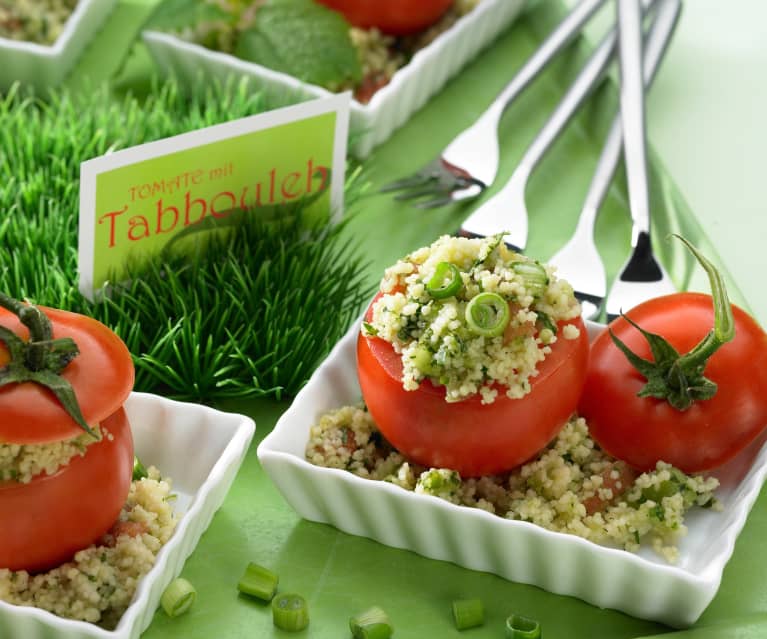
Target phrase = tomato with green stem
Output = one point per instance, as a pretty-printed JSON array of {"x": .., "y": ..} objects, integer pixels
[
  {"x": 663, "y": 385},
  {"x": 469, "y": 436},
  {"x": 396, "y": 17},
  {"x": 61, "y": 374}
]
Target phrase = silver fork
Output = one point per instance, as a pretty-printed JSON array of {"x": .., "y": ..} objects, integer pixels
[
  {"x": 642, "y": 276},
  {"x": 578, "y": 261},
  {"x": 469, "y": 164},
  {"x": 507, "y": 208}
]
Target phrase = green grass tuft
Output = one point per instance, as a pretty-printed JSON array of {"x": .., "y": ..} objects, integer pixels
[{"x": 253, "y": 317}]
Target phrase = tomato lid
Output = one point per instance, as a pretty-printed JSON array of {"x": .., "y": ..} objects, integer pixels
[{"x": 101, "y": 376}]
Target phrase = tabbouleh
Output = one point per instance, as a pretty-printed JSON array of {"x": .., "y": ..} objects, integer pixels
[
  {"x": 435, "y": 337},
  {"x": 380, "y": 55},
  {"x": 570, "y": 487},
  {"x": 99, "y": 583},
  {"x": 40, "y": 21},
  {"x": 21, "y": 462}
]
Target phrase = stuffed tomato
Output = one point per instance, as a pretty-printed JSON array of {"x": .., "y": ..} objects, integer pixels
[
  {"x": 472, "y": 357},
  {"x": 66, "y": 450}
]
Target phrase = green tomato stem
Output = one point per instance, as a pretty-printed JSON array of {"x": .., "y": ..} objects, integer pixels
[
  {"x": 676, "y": 378},
  {"x": 40, "y": 359}
]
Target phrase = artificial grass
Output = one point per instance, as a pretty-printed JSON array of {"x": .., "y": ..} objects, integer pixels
[{"x": 252, "y": 316}]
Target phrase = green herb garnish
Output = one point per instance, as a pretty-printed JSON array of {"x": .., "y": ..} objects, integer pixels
[
  {"x": 254, "y": 317},
  {"x": 304, "y": 39}
]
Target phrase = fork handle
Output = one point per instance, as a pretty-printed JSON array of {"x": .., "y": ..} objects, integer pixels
[
  {"x": 477, "y": 146},
  {"x": 632, "y": 101},
  {"x": 592, "y": 72},
  {"x": 657, "y": 41}
]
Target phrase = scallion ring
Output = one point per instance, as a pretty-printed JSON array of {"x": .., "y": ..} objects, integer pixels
[
  {"x": 487, "y": 314},
  {"x": 290, "y": 612},
  {"x": 519, "y": 627},
  {"x": 258, "y": 582},
  {"x": 534, "y": 276},
  {"x": 373, "y": 623},
  {"x": 468, "y": 613},
  {"x": 446, "y": 281},
  {"x": 178, "y": 597}
]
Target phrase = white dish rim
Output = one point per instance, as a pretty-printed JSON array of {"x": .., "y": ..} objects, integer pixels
[
  {"x": 705, "y": 582},
  {"x": 199, "y": 508}
]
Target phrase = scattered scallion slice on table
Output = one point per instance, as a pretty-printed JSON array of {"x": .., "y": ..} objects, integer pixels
[
  {"x": 178, "y": 597},
  {"x": 373, "y": 623},
  {"x": 519, "y": 627},
  {"x": 258, "y": 582},
  {"x": 487, "y": 314},
  {"x": 468, "y": 613},
  {"x": 290, "y": 612}
]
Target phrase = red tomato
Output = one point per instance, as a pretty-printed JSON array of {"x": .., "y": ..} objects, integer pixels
[
  {"x": 101, "y": 376},
  {"x": 47, "y": 520},
  {"x": 468, "y": 436},
  {"x": 397, "y": 17},
  {"x": 642, "y": 431}
]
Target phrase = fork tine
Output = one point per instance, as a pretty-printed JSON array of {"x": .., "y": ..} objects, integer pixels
[{"x": 407, "y": 182}]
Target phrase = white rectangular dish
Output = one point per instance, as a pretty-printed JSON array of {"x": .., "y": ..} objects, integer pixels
[
  {"x": 201, "y": 450},
  {"x": 391, "y": 106},
  {"x": 43, "y": 66},
  {"x": 642, "y": 585}
]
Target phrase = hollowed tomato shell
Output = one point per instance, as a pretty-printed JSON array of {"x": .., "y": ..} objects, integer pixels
[
  {"x": 46, "y": 521},
  {"x": 468, "y": 436},
  {"x": 397, "y": 17}
]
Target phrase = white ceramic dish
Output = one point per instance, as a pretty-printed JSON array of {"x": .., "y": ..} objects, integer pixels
[
  {"x": 42, "y": 66},
  {"x": 200, "y": 449},
  {"x": 391, "y": 106},
  {"x": 642, "y": 584}
]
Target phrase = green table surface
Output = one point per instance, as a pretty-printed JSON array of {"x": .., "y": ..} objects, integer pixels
[{"x": 708, "y": 139}]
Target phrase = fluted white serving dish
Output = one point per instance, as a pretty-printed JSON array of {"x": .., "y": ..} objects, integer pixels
[
  {"x": 643, "y": 584},
  {"x": 391, "y": 106},
  {"x": 200, "y": 449},
  {"x": 43, "y": 66}
]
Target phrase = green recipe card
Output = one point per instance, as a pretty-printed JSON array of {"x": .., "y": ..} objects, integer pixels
[{"x": 134, "y": 201}]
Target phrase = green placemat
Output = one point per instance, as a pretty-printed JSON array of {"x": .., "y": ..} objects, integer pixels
[{"x": 341, "y": 574}]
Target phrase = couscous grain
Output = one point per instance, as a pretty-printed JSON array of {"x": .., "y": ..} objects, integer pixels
[
  {"x": 571, "y": 487},
  {"x": 21, "y": 462}
]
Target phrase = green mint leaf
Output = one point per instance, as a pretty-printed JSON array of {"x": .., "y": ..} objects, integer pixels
[
  {"x": 303, "y": 39},
  {"x": 175, "y": 15}
]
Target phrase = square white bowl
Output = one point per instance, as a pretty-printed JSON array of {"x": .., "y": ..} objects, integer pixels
[
  {"x": 43, "y": 66},
  {"x": 642, "y": 584},
  {"x": 391, "y": 106},
  {"x": 200, "y": 449}
]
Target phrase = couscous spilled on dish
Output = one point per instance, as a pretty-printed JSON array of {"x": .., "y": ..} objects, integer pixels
[
  {"x": 98, "y": 584},
  {"x": 570, "y": 487}
]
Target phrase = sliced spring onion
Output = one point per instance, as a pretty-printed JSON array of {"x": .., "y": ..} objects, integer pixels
[
  {"x": 290, "y": 612},
  {"x": 373, "y": 623},
  {"x": 487, "y": 314},
  {"x": 519, "y": 627},
  {"x": 468, "y": 613},
  {"x": 445, "y": 282},
  {"x": 139, "y": 471},
  {"x": 258, "y": 582},
  {"x": 422, "y": 359},
  {"x": 535, "y": 276},
  {"x": 178, "y": 597}
]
